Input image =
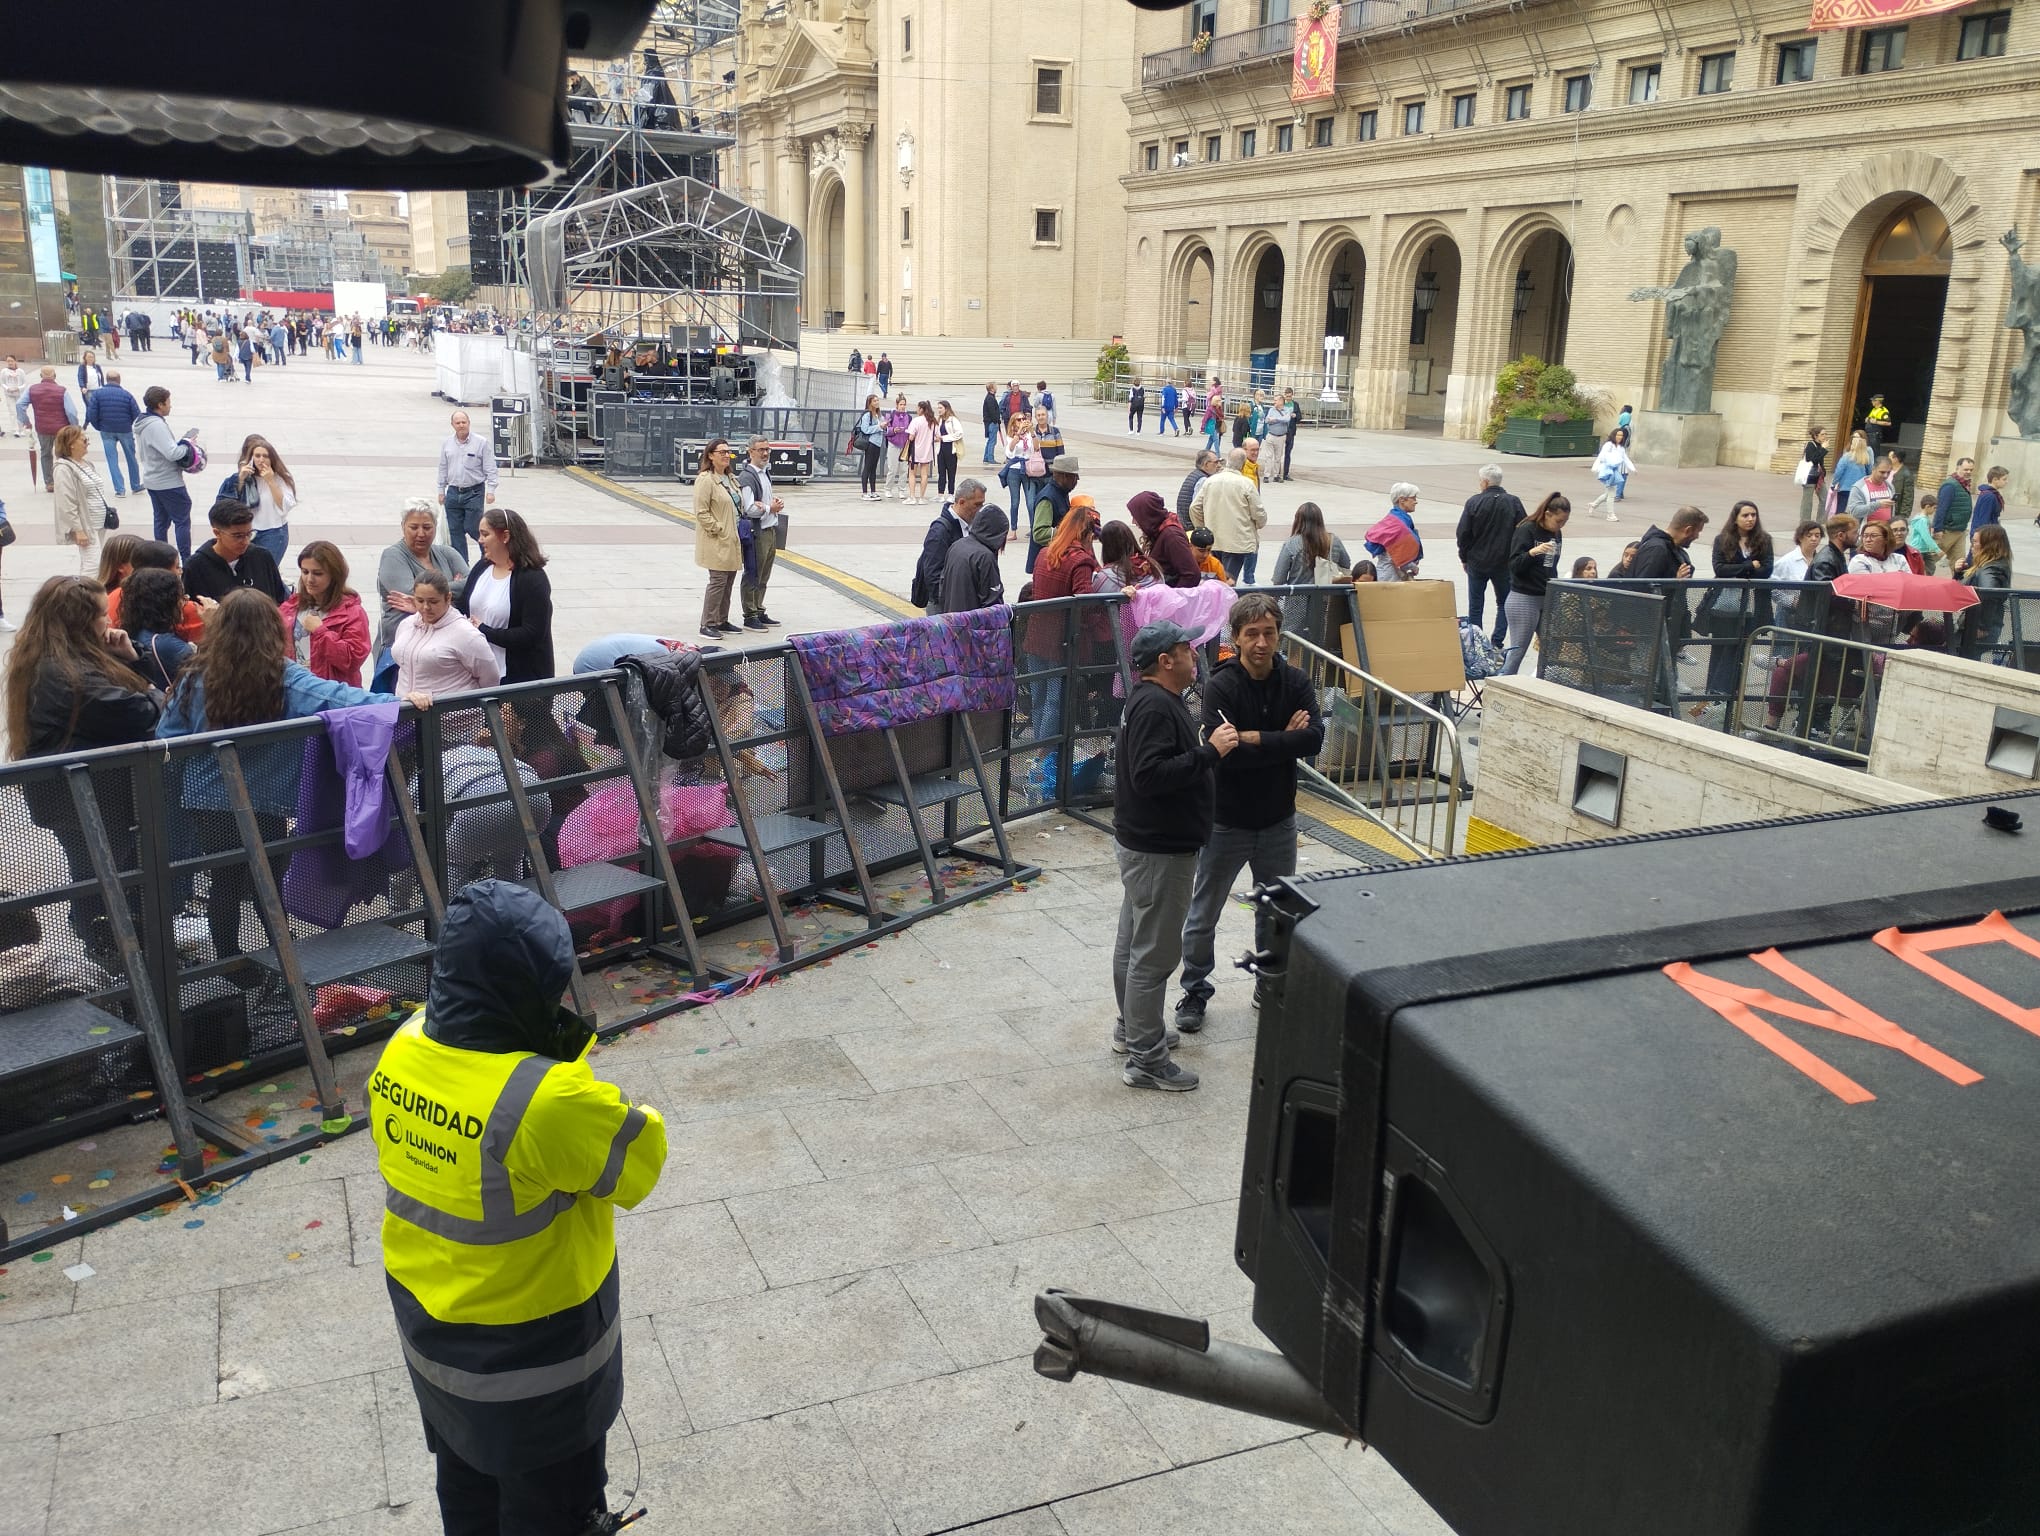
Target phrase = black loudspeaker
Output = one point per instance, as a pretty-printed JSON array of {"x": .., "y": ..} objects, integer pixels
[
  {"x": 1675, "y": 1186},
  {"x": 485, "y": 239}
]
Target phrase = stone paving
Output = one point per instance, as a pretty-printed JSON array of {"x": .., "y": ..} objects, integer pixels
[{"x": 875, "y": 1164}]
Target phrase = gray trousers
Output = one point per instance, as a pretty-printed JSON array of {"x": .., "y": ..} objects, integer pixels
[
  {"x": 1271, "y": 851},
  {"x": 1156, "y": 894},
  {"x": 1525, "y": 612}
]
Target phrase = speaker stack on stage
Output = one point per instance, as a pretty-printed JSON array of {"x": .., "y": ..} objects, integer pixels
[
  {"x": 1685, "y": 1186},
  {"x": 1665, "y": 1186}
]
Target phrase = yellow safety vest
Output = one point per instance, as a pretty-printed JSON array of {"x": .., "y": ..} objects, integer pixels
[{"x": 504, "y": 1171}]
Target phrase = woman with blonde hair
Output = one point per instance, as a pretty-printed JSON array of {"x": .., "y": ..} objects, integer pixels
[{"x": 81, "y": 503}]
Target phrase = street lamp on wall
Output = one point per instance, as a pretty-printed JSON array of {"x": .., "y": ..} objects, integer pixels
[
  {"x": 1523, "y": 291},
  {"x": 1427, "y": 292},
  {"x": 1271, "y": 295},
  {"x": 1342, "y": 292}
]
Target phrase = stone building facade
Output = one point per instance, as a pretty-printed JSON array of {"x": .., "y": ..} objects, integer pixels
[
  {"x": 955, "y": 170},
  {"x": 1494, "y": 179}
]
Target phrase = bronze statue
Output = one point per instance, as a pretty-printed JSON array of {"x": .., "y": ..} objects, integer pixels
[
  {"x": 2024, "y": 316},
  {"x": 1696, "y": 314}
]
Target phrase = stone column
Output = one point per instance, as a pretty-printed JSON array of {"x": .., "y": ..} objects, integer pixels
[
  {"x": 793, "y": 182},
  {"x": 856, "y": 298}
]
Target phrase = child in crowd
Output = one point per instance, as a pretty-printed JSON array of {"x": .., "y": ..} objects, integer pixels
[
  {"x": 1208, "y": 565},
  {"x": 1584, "y": 569},
  {"x": 1919, "y": 534}
]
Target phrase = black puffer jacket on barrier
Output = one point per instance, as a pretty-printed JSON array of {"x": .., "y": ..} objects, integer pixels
[{"x": 672, "y": 684}]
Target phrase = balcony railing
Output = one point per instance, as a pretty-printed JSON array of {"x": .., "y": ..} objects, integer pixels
[{"x": 1276, "y": 38}]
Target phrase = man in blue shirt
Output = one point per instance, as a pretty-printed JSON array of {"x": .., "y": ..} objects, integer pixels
[{"x": 112, "y": 412}]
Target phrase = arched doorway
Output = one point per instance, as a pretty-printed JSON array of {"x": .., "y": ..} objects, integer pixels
[
  {"x": 1264, "y": 335},
  {"x": 825, "y": 258},
  {"x": 1898, "y": 323},
  {"x": 1540, "y": 302},
  {"x": 1434, "y": 327},
  {"x": 1345, "y": 298},
  {"x": 1196, "y": 317}
]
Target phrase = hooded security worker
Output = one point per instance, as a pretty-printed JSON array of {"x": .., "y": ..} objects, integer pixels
[{"x": 505, "y": 1160}]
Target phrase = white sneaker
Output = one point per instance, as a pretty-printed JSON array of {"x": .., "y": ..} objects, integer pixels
[{"x": 7, "y": 625}]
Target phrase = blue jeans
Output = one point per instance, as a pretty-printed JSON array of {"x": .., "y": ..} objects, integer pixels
[
  {"x": 1168, "y": 421},
  {"x": 464, "y": 516},
  {"x": 1269, "y": 852},
  {"x": 126, "y": 440},
  {"x": 991, "y": 445},
  {"x": 173, "y": 511},
  {"x": 1237, "y": 567},
  {"x": 275, "y": 541}
]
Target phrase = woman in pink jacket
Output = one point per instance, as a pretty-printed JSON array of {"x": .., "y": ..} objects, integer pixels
[
  {"x": 437, "y": 649},
  {"x": 324, "y": 619}
]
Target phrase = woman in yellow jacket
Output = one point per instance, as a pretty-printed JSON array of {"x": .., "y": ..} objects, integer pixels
[{"x": 716, "y": 549}]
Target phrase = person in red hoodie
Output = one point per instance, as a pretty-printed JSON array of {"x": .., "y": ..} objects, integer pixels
[
  {"x": 1167, "y": 546},
  {"x": 327, "y": 626}
]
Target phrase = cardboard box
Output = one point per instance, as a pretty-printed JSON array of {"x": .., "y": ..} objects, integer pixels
[{"x": 1409, "y": 635}]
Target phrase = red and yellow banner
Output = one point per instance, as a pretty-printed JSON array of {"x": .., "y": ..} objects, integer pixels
[
  {"x": 1315, "y": 67},
  {"x": 1831, "y": 15}
]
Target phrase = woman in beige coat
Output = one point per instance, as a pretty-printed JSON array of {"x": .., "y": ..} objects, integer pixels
[
  {"x": 716, "y": 549},
  {"x": 81, "y": 504}
]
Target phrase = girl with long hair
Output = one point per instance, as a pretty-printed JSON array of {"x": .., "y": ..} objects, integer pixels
[
  {"x": 263, "y": 481},
  {"x": 922, "y": 433},
  {"x": 509, "y": 595},
  {"x": 1534, "y": 554},
  {"x": 1017, "y": 451},
  {"x": 71, "y": 686},
  {"x": 1067, "y": 568},
  {"x": 868, "y": 437},
  {"x": 1309, "y": 546},
  {"x": 327, "y": 626},
  {"x": 1742, "y": 552},
  {"x": 152, "y": 608},
  {"x": 949, "y": 432},
  {"x": 116, "y": 559},
  {"x": 1120, "y": 561}
]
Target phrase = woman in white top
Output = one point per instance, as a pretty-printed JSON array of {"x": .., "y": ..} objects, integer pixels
[
  {"x": 265, "y": 483},
  {"x": 922, "y": 433},
  {"x": 1876, "y": 551},
  {"x": 1612, "y": 467},
  {"x": 948, "y": 432},
  {"x": 1016, "y": 446}
]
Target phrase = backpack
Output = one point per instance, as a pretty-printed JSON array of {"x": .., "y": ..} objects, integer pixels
[{"x": 1480, "y": 655}]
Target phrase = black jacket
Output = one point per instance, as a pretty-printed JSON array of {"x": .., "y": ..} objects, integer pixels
[
  {"x": 1531, "y": 574},
  {"x": 95, "y": 713},
  {"x": 672, "y": 684},
  {"x": 1164, "y": 796},
  {"x": 1657, "y": 557},
  {"x": 1827, "y": 563},
  {"x": 1486, "y": 525},
  {"x": 1257, "y": 784},
  {"x": 527, "y": 638},
  {"x": 970, "y": 574},
  {"x": 1187, "y": 492},
  {"x": 991, "y": 411},
  {"x": 207, "y": 575},
  {"x": 942, "y": 532}
]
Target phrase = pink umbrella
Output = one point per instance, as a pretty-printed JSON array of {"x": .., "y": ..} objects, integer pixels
[{"x": 1903, "y": 590}]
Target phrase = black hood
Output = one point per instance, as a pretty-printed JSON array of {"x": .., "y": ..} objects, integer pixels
[{"x": 503, "y": 963}]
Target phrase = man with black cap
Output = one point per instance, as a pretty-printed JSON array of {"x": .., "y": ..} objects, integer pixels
[
  {"x": 1162, "y": 806},
  {"x": 506, "y": 1159}
]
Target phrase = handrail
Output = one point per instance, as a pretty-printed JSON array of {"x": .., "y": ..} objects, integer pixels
[
  {"x": 1831, "y": 699},
  {"x": 1406, "y": 813}
]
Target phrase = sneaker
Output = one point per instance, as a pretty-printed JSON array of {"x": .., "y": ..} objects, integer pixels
[
  {"x": 767, "y": 620},
  {"x": 7, "y": 625},
  {"x": 1168, "y": 1077},
  {"x": 1170, "y": 1039},
  {"x": 754, "y": 624},
  {"x": 1190, "y": 1015},
  {"x": 711, "y": 632}
]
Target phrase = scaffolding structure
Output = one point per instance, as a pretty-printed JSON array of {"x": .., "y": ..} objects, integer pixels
[
  {"x": 162, "y": 250},
  {"x": 310, "y": 255}
]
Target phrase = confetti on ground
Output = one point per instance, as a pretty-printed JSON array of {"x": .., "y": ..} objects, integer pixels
[
  {"x": 60, "y": 1178},
  {"x": 78, "y": 1272},
  {"x": 24, "y": 1199},
  {"x": 267, "y": 1088},
  {"x": 195, "y": 1223},
  {"x": 314, "y": 1225},
  {"x": 99, "y": 1184},
  {"x": 88, "y": 1146},
  {"x": 41, "y": 1258},
  {"x": 294, "y": 1254}
]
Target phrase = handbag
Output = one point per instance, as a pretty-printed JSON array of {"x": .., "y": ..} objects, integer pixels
[
  {"x": 1036, "y": 467},
  {"x": 1802, "y": 473},
  {"x": 112, "y": 517}
]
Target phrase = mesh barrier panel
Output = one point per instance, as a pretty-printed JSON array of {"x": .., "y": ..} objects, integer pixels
[
  {"x": 642, "y": 438},
  {"x": 1604, "y": 641}
]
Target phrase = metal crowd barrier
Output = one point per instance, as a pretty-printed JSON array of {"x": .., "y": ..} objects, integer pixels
[
  {"x": 638, "y": 437},
  {"x": 1818, "y": 695}
]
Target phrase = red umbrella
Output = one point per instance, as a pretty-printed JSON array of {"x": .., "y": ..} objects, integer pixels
[{"x": 1904, "y": 590}]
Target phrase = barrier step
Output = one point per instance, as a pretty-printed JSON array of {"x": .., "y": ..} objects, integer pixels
[
  {"x": 588, "y": 885},
  {"x": 776, "y": 831},
  {"x": 344, "y": 953},
  {"x": 930, "y": 789},
  {"x": 55, "y": 1033}
]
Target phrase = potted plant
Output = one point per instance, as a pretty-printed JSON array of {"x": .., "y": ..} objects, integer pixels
[{"x": 1539, "y": 411}]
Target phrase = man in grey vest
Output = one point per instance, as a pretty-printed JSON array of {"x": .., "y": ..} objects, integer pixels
[{"x": 758, "y": 528}]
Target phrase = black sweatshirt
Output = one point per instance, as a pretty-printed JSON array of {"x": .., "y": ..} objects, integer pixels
[
  {"x": 1257, "y": 784},
  {"x": 1162, "y": 798},
  {"x": 206, "y": 574}
]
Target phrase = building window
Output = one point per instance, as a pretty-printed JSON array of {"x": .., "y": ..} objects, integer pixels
[
  {"x": 1643, "y": 83},
  {"x": 1203, "y": 18},
  {"x": 906, "y": 37},
  {"x": 1285, "y": 138},
  {"x": 1214, "y": 147},
  {"x": 906, "y": 226},
  {"x": 1717, "y": 73},
  {"x": 1273, "y": 11},
  {"x": 1516, "y": 105},
  {"x": 1321, "y": 133},
  {"x": 1048, "y": 226},
  {"x": 1795, "y": 61},
  {"x": 1983, "y": 37},
  {"x": 1150, "y": 157},
  {"x": 1048, "y": 90},
  {"x": 1462, "y": 110},
  {"x": 1883, "y": 50},
  {"x": 1365, "y": 126},
  {"x": 1579, "y": 92},
  {"x": 1413, "y": 117},
  {"x": 1247, "y": 141},
  {"x": 1179, "y": 152}
]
